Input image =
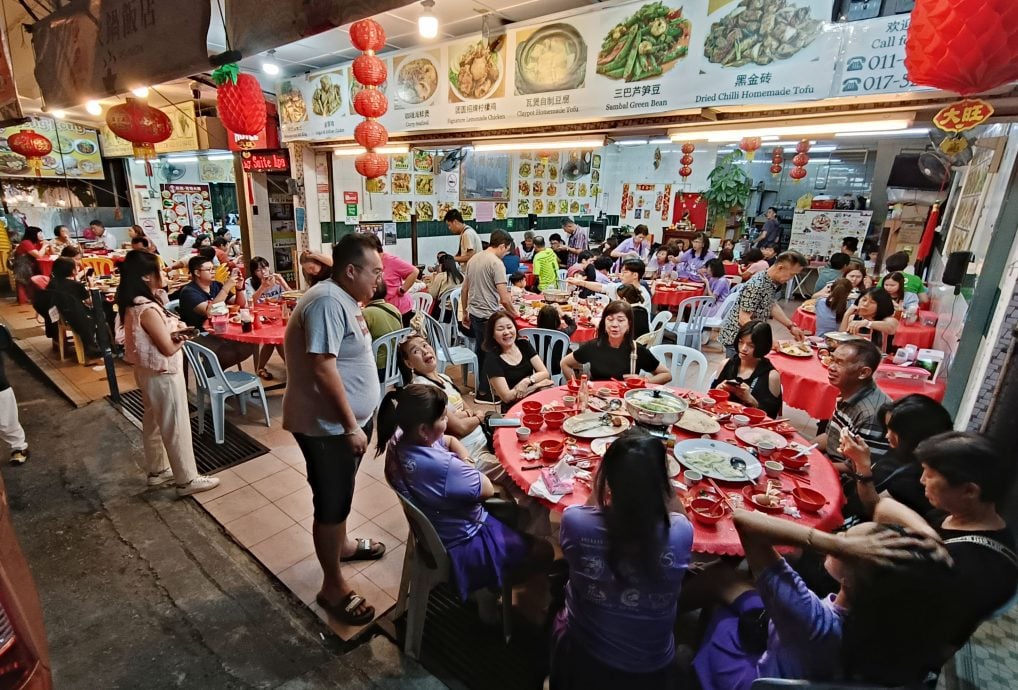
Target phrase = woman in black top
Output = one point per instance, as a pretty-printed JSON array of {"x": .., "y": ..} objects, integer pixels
[
  {"x": 73, "y": 302},
  {"x": 873, "y": 317},
  {"x": 615, "y": 353},
  {"x": 749, "y": 376},
  {"x": 513, "y": 367}
]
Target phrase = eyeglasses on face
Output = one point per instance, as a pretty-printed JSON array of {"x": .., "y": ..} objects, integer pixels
[{"x": 374, "y": 271}]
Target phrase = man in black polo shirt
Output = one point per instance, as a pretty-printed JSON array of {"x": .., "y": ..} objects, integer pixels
[{"x": 199, "y": 295}]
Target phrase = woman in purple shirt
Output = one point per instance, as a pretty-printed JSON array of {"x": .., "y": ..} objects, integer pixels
[
  {"x": 433, "y": 471},
  {"x": 884, "y": 626},
  {"x": 694, "y": 260},
  {"x": 627, "y": 556}
]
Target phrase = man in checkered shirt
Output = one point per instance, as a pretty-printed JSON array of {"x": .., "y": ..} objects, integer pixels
[{"x": 859, "y": 402}]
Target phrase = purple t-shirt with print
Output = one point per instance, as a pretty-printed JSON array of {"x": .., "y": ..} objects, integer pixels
[{"x": 625, "y": 624}]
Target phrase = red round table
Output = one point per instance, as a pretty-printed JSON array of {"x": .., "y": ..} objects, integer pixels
[
  {"x": 581, "y": 335},
  {"x": 672, "y": 295},
  {"x": 804, "y": 385},
  {"x": 919, "y": 333},
  {"x": 716, "y": 539},
  {"x": 532, "y": 278},
  {"x": 266, "y": 334}
]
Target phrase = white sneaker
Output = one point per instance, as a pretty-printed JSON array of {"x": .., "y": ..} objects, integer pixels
[
  {"x": 160, "y": 477},
  {"x": 197, "y": 485},
  {"x": 19, "y": 457}
]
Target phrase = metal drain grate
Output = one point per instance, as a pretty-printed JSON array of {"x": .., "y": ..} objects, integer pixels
[
  {"x": 211, "y": 457},
  {"x": 457, "y": 645}
]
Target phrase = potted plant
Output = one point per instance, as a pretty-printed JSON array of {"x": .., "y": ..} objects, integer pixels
[{"x": 728, "y": 190}]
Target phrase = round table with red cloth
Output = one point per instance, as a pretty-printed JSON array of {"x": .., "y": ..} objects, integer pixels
[
  {"x": 581, "y": 335},
  {"x": 273, "y": 333},
  {"x": 919, "y": 333},
  {"x": 804, "y": 385},
  {"x": 672, "y": 295},
  {"x": 715, "y": 539}
]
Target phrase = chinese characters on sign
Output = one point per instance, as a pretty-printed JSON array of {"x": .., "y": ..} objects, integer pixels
[{"x": 963, "y": 115}]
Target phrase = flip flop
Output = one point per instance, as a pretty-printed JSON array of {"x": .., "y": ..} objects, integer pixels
[
  {"x": 344, "y": 610},
  {"x": 367, "y": 550},
  {"x": 265, "y": 374}
]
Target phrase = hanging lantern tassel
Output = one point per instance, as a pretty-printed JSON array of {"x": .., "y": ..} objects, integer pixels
[
  {"x": 142, "y": 125},
  {"x": 33, "y": 146}
]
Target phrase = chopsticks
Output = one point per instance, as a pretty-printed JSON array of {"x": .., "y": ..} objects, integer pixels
[
  {"x": 769, "y": 422},
  {"x": 721, "y": 493}
]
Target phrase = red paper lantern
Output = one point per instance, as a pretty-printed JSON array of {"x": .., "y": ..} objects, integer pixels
[
  {"x": 800, "y": 159},
  {"x": 369, "y": 70},
  {"x": 367, "y": 35},
  {"x": 370, "y": 103},
  {"x": 239, "y": 100},
  {"x": 685, "y": 171},
  {"x": 688, "y": 148},
  {"x": 686, "y": 160},
  {"x": 142, "y": 125},
  {"x": 371, "y": 164},
  {"x": 802, "y": 146},
  {"x": 967, "y": 46},
  {"x": 370, "y": 134},
  {"x": 775, "y": 169},
  {"x": 797, "y": 173},
  {"x": 750, "y": 146},
  {"x": 33, "y": 146}
]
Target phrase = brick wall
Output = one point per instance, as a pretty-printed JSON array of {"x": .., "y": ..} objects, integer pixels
[{"x": 995, "y": 367}]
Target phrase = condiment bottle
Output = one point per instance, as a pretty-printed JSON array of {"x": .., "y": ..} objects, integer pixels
[{"x": 583, "y": 395}]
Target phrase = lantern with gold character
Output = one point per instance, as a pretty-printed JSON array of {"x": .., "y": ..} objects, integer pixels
[{"x": 33, "y": 146}]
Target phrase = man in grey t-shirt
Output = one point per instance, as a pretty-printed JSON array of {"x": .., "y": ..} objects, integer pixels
[
  {"x": 331, "y": 393},
  {"x": 485, "y": 291}
]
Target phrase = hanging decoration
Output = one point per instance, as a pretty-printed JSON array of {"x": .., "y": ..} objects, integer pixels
[
  {"x": 369, "y": 70},
  {"x": 239, "y": 100},
  {"x": 687, "y": 160},
  {"x": 777, "y": 160},
  {"x": 965, "y": 46},
  {"x": 963, "y": 115},
  {"x": 33, "y": 146},
  {"x": 799, "y": 160},
  {"x": 142, "y": 125},
  {"x": 685, "y": 171},
  {"x": 749, "y": 146}
]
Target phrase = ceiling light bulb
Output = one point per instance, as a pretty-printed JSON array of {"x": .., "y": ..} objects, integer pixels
[
  {"x": 94, "y": 108},
  {"x": 269, "y": 65},
  {"x": 140, "y": 92},
  {"x": 427, "y": 22},
  {"x": 59, "y": 114}
]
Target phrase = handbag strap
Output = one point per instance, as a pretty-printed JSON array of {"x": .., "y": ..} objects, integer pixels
[{"x": 988, "y": 543}]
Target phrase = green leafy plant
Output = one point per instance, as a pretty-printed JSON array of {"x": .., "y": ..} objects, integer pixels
[{"x": 728, "y": 186}]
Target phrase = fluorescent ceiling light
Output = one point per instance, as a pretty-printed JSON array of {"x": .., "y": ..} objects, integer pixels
[
  {"x": 94, "y": 108},
  {"x": 636, "y": 142},
  {"x": 803, "y": 129},
  {"x": 140, "y": 92},
  {"x": 823, "y": 148},
  {"x": 269, "y": 65},
  {"x": 357, "y": 150},
  {"x": 59, "y": 114},
  {"x": 660, "y": 140},
  {"x": 538, "y": 144},
  {"x": 221, "y": 157},
  {"x": 181, "y": 159},
  {"x": 910, "y": 132},
  {"x": 427, "y": 22}
]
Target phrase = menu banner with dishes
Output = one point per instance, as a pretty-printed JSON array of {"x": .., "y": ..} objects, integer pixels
[
  {"x": 186, "y": 204},
  {"x": 75, "y": 151},
  {"x": 183, "y": 139},
  {"x": 629, "y": 60},
  {"x": 820, "y": 233},
  {"x": 873, "y": 58}
]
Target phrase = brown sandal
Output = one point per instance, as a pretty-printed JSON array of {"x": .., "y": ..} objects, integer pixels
[
  {"x": 265, "y": 374},
  {"x": 344, "y": 610}
]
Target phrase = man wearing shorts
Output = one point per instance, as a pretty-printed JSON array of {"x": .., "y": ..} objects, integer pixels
[{"x": 331, "y": 393}]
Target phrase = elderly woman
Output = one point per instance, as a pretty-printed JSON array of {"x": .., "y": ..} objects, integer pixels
[
  {"x": 513, "y": 367},
  {"x": 615, "y": 352}
]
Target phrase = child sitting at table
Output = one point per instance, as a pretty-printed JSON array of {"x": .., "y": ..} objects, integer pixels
[
  {"x": 717, "y": 285},
  {"x": 433, "y": 472},
  {"x": 518, "y": 284}
]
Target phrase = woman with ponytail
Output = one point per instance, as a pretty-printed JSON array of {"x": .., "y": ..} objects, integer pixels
[{"x": 434, "y": 472}]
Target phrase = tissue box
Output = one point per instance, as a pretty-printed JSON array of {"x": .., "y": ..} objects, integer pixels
[
  {"x": 916, "y": 374},
  {"x": 931, "y": 361}
]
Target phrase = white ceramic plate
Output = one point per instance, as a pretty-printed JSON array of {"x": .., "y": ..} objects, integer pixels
[
  {"x": 697, "y": 422},
  {"x": 754, "y": 436},
  {"x": 693, "y": 454},
  {"x": 581, "y": 421}
]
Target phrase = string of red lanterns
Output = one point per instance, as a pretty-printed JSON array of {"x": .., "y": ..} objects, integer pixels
[
  {"x": 777, "y": 160},
  {"x": 369, "y": 70},
  {"x": 687, "y": 160},
  {"x": 799, "y": 160}
]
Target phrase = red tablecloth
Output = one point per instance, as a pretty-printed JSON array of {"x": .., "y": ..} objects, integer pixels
[
  {"x": 717, "y": 539},
  {"x": 581, "y": 335},
  {"x": 917, "y": 333},
  {"x": 804, "y": 386},
  {"x": 673, "y": 295},
  {"x": 532, "y": 279},
  {"x": 266, "y": 334}
]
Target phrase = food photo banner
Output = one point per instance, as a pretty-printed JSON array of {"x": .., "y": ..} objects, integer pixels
[
  {"x": 75, "y": 151},
  {"x": 626, "y": 60}
]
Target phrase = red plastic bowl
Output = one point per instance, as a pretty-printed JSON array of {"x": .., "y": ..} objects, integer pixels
[
  {"x": 633, "y": 381},
  {"x": 531, "y": 407},
  {"x": 755, "y": 415},
  {"x": 785, "y": 457},
  {"x": 552, "y": 450},
  {"x": 553, "y": 420},
  {"x": 534, "y": 422},
  {"x": 718, "y": 395},
  {"x": 808, "y": 500},
  {"x": 574, "y": 385},
  {"x": 707, "y": 510}
]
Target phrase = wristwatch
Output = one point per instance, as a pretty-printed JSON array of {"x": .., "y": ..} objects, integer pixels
[{"x": 861, "y": 478}]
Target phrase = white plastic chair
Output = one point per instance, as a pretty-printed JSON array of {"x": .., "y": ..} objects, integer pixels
[
  {"x": 688, "y": 332},
  {"x": 448, "y": 302},
  {"x": 545, "y": 341},
  {"x": 220, "y": 385},
  {"x": 390, "y": 341},
  {"x": 455, "y": 355},
  {"x": 425, "y": 565},
  {"x": 657, "y": 326},
  {"x": 421, "y": 301},
  {"x": 173, "y": 306},
  {"x": 678, "y": 359}
]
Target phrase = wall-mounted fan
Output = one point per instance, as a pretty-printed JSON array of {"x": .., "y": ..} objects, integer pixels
[
  {"x": 170, "y": 172},
  {"x": 945, "y": 152},
  {"x": 452, "y": 160}
]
